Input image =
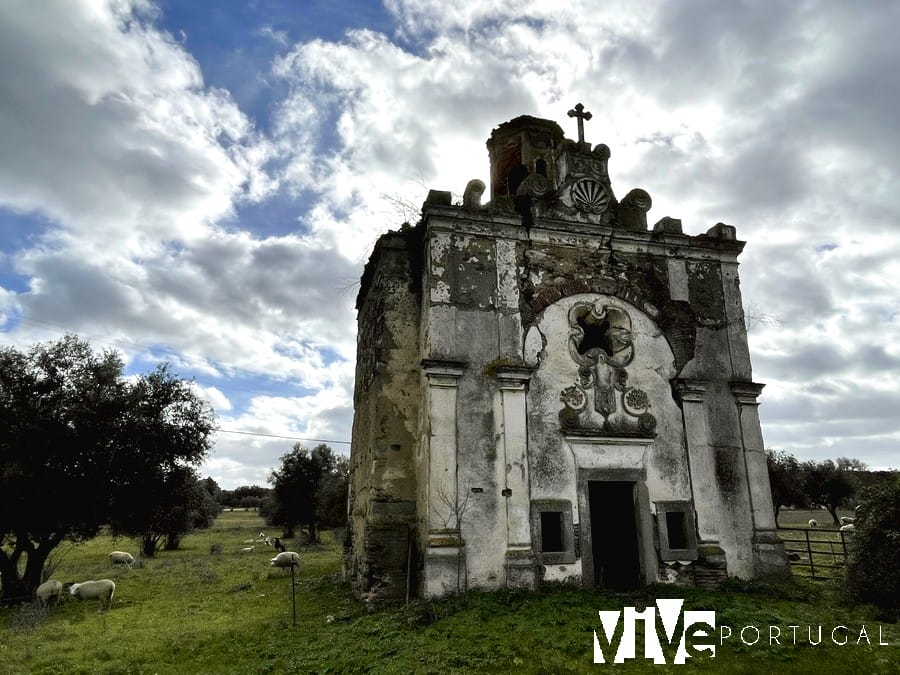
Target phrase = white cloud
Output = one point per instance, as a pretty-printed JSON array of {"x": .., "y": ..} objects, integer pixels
[{"x": 778, "y": 122}]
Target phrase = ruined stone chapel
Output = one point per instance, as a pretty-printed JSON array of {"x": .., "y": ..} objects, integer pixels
[{"x": 547, "y": 389}]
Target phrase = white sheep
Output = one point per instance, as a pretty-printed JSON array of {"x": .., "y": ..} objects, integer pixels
[
  {"x": 121, "y": 558},
  {"x": 813, "y": 522},
  {"x": 247, "y": 549},
  {"x": 849, "y": 527},
  {"x": 285, "y": 559},
  {"x": 847, "y": 520},
  {"x": 48, "y": 590},
  {"x": 102, "y": 590},
  {"x": 249, "y": 541}
]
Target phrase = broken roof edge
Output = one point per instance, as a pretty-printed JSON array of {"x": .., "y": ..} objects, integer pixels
[{"x": 406, "y": 238}]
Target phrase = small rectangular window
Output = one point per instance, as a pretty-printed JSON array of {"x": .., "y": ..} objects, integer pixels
[
  {"x": 552, "y": 531},
  {"x": 677, "y": 530}
]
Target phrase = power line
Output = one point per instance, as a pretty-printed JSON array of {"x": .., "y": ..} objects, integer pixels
[{"x": 289, "y": 438}]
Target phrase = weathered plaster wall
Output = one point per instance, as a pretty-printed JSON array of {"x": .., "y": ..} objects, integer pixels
[
  {"x": 473, "y": 412},
  {"x": 555, "y": 462},
  {"x": 386, "y": 400}
]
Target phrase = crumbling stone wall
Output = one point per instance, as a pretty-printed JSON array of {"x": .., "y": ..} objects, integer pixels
[{"x": 382, "y": 499}]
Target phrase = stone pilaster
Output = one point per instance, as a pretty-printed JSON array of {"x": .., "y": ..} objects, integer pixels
[
  {"x": 445, "y": 550},
  {"x": 768, "y": 549},
  {"x": 711, "y": 567},
  {"x": 512, "y": 434}
]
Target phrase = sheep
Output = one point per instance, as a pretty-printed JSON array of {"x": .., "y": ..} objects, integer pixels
[
  {"x": 285, "y": 559},
  {"x": 102, "y": 590},
  {"x": 249, "y": 541},
  {"x": 247, "y": 549},
  {"x": 849, "y": 527},
  {"x": 48, "y": 590},
  {"x": 847, "y": 520},
  {"x": 813, "y": 522},
  {"x": 121, "y": 558}
]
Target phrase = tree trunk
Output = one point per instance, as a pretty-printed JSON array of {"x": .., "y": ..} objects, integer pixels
[
  {"x": 18, "y": 589},
  {"x": 313, "y": 537},
  {"x": 834, "y": 516},
  {"x": 149, "y": 542},
  {"x": 173, "y": 541}
]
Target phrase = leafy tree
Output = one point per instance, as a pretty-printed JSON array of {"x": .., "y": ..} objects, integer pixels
[
  {"x": 212, "y": 488},
  {"x": 873, "y": 572},
  {"x": 59, "y": 405},
  {"x": 294, "y": 501},
  {"x": 828, "y": 484},
  {"x": 786, "y": 479},
  {"x": 74, "y": 441},
  {"x": 169, "y": 432},
  {"x": 193, "y": 509},
  {"x": 331, "y": 506}
]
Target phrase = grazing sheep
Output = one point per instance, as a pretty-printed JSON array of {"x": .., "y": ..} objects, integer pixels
[
  {"x": 847, "y": 520},
  {"x": 813, "y": 522},
  {"x": 247, "y": 549},
  {"x": 249, "y": 541},
  {"x": 102, "y": 590},
  {"x": 849, "y": 527},
  {"x": 48, "y": 590},
  {"x": 285, "y": 559},
  {"x": 121, "y": 558}
]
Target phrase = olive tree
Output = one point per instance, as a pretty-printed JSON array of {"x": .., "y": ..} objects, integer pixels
[{"x": 82, "y": 446}]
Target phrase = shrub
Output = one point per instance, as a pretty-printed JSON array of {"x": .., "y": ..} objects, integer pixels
[{"x": 873, "y": 572}]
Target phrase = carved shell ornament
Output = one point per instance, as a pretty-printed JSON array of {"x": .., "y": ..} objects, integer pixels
[{"x": 590, "y": 196}]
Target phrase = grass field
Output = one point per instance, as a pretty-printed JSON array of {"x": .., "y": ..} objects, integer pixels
[{"x": 190, "y": 611}]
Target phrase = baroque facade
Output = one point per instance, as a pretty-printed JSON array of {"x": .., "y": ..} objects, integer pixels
[{"x": 547, "y": 389}]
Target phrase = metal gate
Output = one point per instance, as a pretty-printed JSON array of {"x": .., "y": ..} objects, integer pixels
[{"x": 822, "y": 552}]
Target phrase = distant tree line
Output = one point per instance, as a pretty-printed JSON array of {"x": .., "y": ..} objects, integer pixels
[
  {"x": 830, "y": 484},
  {"x": 243, "y": 497}
]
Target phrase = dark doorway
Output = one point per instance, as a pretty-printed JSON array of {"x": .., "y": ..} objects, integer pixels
[{"x": 614, "y": 540}]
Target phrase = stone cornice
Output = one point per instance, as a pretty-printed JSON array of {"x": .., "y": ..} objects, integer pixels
[
  {"x": 746, "y": 392},
  {"x": 690, "y": 389}
]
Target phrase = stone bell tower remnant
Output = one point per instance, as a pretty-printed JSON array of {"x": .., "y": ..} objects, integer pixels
[{"x": 547, "y": 389}]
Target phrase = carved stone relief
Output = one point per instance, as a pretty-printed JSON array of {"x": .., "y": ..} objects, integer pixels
[{"x": 601, "y": 400}]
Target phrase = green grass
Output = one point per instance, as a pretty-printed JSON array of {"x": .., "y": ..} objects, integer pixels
[{"x": 188, "y": 611}]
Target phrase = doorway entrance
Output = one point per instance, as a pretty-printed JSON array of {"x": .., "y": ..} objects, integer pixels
[{"x": 614, "y": 534}]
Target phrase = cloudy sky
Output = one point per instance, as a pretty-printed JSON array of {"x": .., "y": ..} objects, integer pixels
[{"x": 201, "y": 182}]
